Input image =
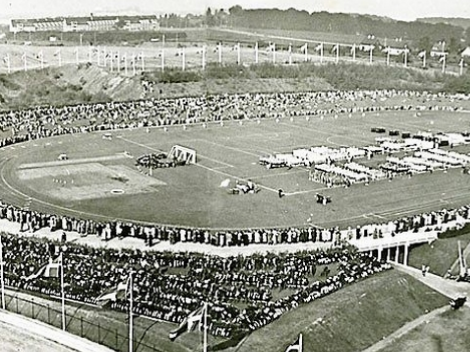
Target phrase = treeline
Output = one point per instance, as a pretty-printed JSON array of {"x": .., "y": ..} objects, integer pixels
[
  {"x": 342, "y": 23},
  {"x": 342, "y": 76}
]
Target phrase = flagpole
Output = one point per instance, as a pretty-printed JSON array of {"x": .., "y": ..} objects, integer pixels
[
  {"x": 300, "y": 343},
  {"x": 274, "y": 53},
  {"x": 134, "y": 58},
  {"x": 220, "y": 53},
  {"x": 203, "y": 57},
  {"x": 131, "y": 299},
  {"x": 354, "y": 52},
  {"x": 290, "y": 54},
  {"x": 424, "y": 59},
  {"x": 238, "y": 54},
  {"x": 205, "y": 328},
  {"x": 8, "y": 63},
  {"x": 62, "y": 289},
  {"x": 321, "y": 53},
  {"x": 118, "y": 61},
  {"x": 1, "y": 273},
  {"x": 370, "y": 59}
]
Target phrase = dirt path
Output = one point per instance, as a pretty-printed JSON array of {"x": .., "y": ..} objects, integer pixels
[{"x": 451, "y": 289}]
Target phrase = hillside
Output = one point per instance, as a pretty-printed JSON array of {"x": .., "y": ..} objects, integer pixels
[
  {"x": 292, "y": 19},
  {"x": 351, "y": 319},
  {"x": 454, "y": 21},
  {"x": 65, "y": 85}
]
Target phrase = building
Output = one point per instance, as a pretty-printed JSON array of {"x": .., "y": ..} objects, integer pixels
[
  {"x": 369, "y": 43},
  {"x": 438, "y": 49},
  {"x": 465, "y": 52},
  {"x": 85, "y": 24},
  {"x": 139, "y": 23}
]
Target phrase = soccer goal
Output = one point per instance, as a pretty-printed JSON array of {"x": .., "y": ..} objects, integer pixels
[{"x": 183, "y": 154}]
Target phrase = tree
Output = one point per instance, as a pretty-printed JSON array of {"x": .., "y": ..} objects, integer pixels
[
  {"x": 210, "y": 20},
  {"x": 454, "y": 46},
  {"x": 424, "y": 43},
  {"x": 235, "y": 10}
]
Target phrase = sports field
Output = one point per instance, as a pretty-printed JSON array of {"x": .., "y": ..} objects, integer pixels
[{"x": 100, "y": 179}]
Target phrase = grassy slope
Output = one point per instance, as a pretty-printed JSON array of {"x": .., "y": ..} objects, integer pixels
[
  {"x": 71, "y": 84},
  {"x": 448, "y": 332},
  {"x": 440, "y": 255},
  {"x": 353, "y": 318}
]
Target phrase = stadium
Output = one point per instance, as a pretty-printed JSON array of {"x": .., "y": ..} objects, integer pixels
[{"x": 172, "y": 217}]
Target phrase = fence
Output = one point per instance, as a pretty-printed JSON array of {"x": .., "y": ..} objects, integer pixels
[{"x": 93, "y": 331}]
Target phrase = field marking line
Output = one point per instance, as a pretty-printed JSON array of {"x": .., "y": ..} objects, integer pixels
[
  {"x": 308, "y": 191},
  {"x": 423, "y": 205},
  {"x": 334, "y": 143},
  {"x": 55, "y": 206},
  {"x": 280, "y": 174},
  {"x": 377, "y": 216},
  {"x": 162, "y": 151},
  {"x": 323, "y": 132},
  {"x": 230, "y": 148},
  {"x": 235, "y": 177}
]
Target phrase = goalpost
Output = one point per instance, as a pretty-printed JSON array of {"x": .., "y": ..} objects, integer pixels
[{"x": 180, "y": 153}]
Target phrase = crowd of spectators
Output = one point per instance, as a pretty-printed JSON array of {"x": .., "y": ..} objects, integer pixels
[
  {"x": 31, "y": 221},
  {"x": 239, "y": 290},
  {"x": 47, "y": 121},
  {"x": 168, "y": 286}
]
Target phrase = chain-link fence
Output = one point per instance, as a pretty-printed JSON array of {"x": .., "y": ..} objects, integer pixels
[{"x": 93, "y": 331}]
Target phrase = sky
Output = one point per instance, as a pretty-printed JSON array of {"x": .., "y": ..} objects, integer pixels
[{"x": 407, "y": 10}]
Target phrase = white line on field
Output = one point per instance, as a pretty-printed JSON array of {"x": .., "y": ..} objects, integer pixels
[
  {"x": 230, "y": 148},
  {"x": 162, "y": 151},
  {"x": 233, "y": 176},
  {"x": 323, "y": 132},
  {"x": 279, "y": 174}
]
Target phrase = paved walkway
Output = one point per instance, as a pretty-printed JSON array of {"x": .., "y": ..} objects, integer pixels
[
  {"x": 135, "y": 243},
  {"x": 49, "y": 333},
  {"x": 448, "y": 288}
]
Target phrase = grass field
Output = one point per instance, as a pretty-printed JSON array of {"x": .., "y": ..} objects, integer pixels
[{"x": 191, "y": 195}]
